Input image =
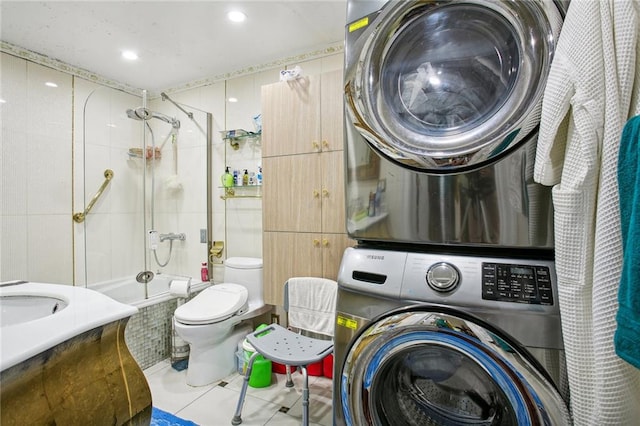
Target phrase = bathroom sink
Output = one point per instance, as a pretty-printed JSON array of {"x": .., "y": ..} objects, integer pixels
[{"x": 22, "y": 308}]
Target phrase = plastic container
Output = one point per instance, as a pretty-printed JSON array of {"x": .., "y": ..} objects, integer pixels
[
  {"x": 278, "y": 368},
  {"x": 327, "y": 366},
  {"x": 315, "y": 369},
  {"x": 261, "y": 372}
]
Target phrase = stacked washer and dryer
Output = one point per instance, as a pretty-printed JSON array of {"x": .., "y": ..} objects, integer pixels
[{"x": 447, "y": 309}]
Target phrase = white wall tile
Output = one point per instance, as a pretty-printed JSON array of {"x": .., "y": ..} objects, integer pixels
[
  {"x": 13, "y": 89},
  {"x": 49, "y": 253},
  {"x": 13, "y": 188},
  {"x": 48, "y": 174},
  {"x": 49, "y": 108},
  {"x": 15, "y": 256}
]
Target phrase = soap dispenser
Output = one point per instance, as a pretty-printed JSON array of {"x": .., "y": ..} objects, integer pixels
[{"x": 227, "y": 178}]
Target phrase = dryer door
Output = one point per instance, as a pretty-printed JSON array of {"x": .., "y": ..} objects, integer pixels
[
  {"x": 443, "y": 86},
  {"x": 438, "y": 366}
]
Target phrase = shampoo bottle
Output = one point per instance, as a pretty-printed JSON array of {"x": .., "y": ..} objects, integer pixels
[
  {"x": 259, "y": 176},
  {"x": 204, "y": 272},
  {"x": 245, "y": 177}
]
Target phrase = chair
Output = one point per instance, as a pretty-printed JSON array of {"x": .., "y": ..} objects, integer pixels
[{"x": 310, "y": 303}]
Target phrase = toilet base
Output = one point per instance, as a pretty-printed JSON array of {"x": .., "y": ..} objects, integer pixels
[{"x": 215, "y": 362}]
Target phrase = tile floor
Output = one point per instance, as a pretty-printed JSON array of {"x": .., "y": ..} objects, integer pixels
[{"x": 215, "y": 404}]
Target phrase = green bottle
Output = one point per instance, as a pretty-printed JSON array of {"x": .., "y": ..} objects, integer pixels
[{"x": 227, "y": 178}]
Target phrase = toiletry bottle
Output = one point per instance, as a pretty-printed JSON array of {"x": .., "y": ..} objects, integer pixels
[
  {"x": 204, "y": 272},
  {"x": 227, "y": 178},
  {"x": 245, "y": 177},
  {"x": 236, "y": 177},
  {"x": 252, "y": 178},
  {"x": 259, "y": 176},
  {"x": 372, "y": 205}
]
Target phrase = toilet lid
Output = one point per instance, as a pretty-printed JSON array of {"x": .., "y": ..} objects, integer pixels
[{"x": 213, "y": 304}]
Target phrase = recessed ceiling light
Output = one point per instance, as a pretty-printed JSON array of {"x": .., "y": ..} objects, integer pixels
[
  {"x": 50, "y": 84},
  {"x": 236, "y": 16},
  {"x": 130, "y": 55},
  {"x": 2, "y": 101},
  {"x": 233, "y": 99}
]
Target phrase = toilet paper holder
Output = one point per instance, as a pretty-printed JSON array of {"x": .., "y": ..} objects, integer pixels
[{"x": 215, "y": 250}]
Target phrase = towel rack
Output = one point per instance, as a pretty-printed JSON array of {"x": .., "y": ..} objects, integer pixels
[{"x": 80, "y": 216}]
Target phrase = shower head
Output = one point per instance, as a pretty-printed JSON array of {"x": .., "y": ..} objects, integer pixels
[
  {"x": 139, "y": 113},
  {"x": 142, "y": 113}
]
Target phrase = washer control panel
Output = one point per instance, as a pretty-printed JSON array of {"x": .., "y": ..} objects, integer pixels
[{"x": 517, "y": 283}]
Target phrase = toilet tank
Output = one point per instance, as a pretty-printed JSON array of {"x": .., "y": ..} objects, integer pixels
[{"x": 246, "y": 271}]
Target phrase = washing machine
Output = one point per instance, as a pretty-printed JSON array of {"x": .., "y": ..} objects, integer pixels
[
  {"x": 442, "y": 108},
  {"x": 447, "y": 339}
]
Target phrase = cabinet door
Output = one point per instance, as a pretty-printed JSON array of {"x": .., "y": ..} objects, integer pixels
[
  {"x": 286, "y": 255},
  {"x": 291, "y": 193},
  {"x": 333, "y": 246},
  {"x": 332, "y": 111},
  {"x": 333, "y": 205},
  {"x": 291, "y": 117}
]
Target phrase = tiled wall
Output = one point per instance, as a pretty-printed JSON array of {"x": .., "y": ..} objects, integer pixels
[{"x": 148, "y": 333}]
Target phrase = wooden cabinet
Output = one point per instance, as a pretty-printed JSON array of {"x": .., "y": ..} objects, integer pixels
[{"x": 303, "y": 174}]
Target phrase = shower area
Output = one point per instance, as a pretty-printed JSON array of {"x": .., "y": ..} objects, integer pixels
[
  {"x": 142, "y": 207},
  {"x": 142, "y": 171}
]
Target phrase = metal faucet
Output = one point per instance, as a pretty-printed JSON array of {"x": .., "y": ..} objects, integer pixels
[{"x": 172, "y": 236}]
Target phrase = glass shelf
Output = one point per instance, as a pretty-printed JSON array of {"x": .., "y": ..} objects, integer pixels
[
  {"x": 242, "y": 191},
  {"x": 235, "y": 136}
]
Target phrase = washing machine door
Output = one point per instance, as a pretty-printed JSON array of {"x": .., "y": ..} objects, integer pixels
[
  {"x": 432, "y": 365},
  {"x": 448, "y": 86}
]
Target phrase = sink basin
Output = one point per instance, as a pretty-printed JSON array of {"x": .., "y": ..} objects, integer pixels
[{"x": 21, "y": 308}]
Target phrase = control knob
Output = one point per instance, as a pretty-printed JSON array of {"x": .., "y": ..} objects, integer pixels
[{"x": 443, "y": 277}]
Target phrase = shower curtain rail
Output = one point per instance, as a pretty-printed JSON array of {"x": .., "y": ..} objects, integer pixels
[{"x": 80, "y": 216}]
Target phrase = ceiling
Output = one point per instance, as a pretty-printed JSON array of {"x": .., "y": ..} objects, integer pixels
[{"x": 178, "y": 42}]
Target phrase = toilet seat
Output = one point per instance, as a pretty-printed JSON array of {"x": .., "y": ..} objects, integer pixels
[{"x": 214, "y": 304}]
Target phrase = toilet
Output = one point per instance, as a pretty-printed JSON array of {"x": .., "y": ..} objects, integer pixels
[{"x": 214, "y": 321}]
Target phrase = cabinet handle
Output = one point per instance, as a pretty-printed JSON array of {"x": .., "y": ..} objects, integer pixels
[
  {"x": 315, "y": 145},
  {"x": 316, "y": 194},
  {"x": 325, "y": 242},
  {"x": 325, "y": 144},
  {"x": 325, "y": 192},
  {"x": 316, "y": 242}
]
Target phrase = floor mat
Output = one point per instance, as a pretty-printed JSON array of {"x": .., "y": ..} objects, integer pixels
[{"x": 162, "y": 418}]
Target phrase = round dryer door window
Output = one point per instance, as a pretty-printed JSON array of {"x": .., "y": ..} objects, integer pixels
[
  {"x": 440, "y": 85},
  {"x": 435, "y": 366}
]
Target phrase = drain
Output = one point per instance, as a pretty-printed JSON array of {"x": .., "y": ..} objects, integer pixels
[{"x": 144, "y": 277}]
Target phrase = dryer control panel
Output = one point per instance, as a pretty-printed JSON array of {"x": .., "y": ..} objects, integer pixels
[{"x": 517, "y": 283}]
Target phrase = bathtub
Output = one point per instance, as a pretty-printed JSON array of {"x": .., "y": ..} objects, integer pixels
[
  {"x": 128, "y": 290},
  {"x": 149, "y": 334},
  {"x": 63, "y": 359}
]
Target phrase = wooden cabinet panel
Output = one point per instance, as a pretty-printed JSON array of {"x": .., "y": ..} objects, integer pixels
[
  {"x": 332, "y": 111},
  {"x": 333, "y": 208},
  {"x": 291, "y": 196},
  {"x": 286, "y": 255},
  {"x": 291, "y": 117}
]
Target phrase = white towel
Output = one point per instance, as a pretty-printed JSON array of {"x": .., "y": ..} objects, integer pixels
[{"x": 312, "y": 304}]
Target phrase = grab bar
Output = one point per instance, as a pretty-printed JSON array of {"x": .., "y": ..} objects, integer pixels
[{"x": 79, "y": 217}]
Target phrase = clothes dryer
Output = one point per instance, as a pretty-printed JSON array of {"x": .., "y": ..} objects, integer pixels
[
  {"x": 447, "y": 340},
  {"x": 442, "y": 103}
]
